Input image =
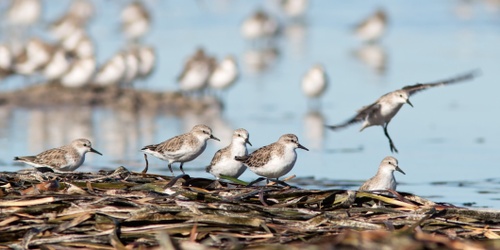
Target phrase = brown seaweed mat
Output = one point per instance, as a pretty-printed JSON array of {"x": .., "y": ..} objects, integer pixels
[{"x": 124, "y": 210}]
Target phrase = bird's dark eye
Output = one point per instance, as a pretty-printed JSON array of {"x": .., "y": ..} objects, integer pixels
[
  {"x": 85, "y": 145},
  {"x": 400, "y": 95}
]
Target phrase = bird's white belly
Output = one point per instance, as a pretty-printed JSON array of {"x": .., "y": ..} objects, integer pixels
[
  {"x": 185, "y": 153},
  {"x": 277, "y": 166}
]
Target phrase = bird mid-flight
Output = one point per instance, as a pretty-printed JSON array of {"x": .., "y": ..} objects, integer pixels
[{"x": 387, "y": 106}]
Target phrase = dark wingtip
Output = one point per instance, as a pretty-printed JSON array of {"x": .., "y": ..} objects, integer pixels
[{"x": 241, "y": 158}]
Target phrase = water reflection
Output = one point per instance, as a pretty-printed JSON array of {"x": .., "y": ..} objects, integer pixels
[
  {"x": 117, "y": 132},
  {"x": 296, "y": 34},
  {"x": 314, "y": 129},
  {"x": 53, "y": 127},
  {"x": 259, "y": 60}
]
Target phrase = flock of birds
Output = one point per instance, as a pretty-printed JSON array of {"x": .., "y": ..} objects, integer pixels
[
  {"x": 68, "y": 55},
  {"x": 71, "y": 62}
]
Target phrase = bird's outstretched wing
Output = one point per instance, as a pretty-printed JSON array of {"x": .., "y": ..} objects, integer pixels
[
  {"x": 412, "y": 89},
  {"x": 360, "y": 116}
]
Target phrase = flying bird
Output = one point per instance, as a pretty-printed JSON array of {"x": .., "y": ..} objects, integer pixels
[{"x": 387, "y": 106}]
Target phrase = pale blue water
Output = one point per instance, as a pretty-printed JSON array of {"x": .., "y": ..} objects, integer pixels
[{"x": 451, "y": 135}]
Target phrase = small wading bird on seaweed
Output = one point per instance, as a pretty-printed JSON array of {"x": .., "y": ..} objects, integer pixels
[{"x": 387, "y": 106}]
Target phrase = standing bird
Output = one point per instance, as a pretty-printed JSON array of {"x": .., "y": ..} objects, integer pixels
[
  {"x": 135, "y": 20},
  {"x": 196, "y": 72},
  {"x": 315, "y": 81},
  {"x": 259, "y": 25},
  {"x": 80, "y": 73},
  {"x": 112, "y": 72},
  {"x": 58, "y": 64},
  {"x": 147, "y": 60},
  {"x": 384, "y": 179},
  {"x": 225, "y": 74},
  {"x": 223, "y": 162},
  {"x": 66, "y": 158},
  {"x": 372, "y": 28},
  {"x": 24, "y": 12},
  {"x": 387, "y": 106},
  {"x": 182, "y": 148},
  {"x": 273, "y": 160}
]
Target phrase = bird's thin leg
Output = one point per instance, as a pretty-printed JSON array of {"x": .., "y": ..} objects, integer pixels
[
  {"x": 181, "y": 168},
  {"x": 393, "y": 148},
  {"x": 147, "y": 164},
  {"x": 170, "y": 167},
  {"x": 255, "y": 181}
]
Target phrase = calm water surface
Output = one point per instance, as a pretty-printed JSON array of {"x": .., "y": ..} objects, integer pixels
[{"x": 449, "y": 142}]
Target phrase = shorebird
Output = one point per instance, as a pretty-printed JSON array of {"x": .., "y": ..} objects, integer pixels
[
  {"x": 182, "y": 148},
  {"x": 147, "y": 60},
  {"x": 57, "y": 65},
  {"x": 66, "y": 158},
  {"x": 294, "y": 8},
  {"x": 35, "y": 56},
  {"x": 80, "y": 73},
  {"x": 387, "y": 106},
  {"x": 24, "y": 12},
  {"x": 76, "y": 17},
  {"x": 196, "y": 71},
  {"x": 315, "y": 81},
  {"x": 223, "y": 162},
  {"x": 135, "y": 20},
  {"x": 111, "y": 72},
  {"x": 384, "y": 179},
  {"x": 225, "y": 74},
  {"x": 259, "y": 25},
  {"x": 132, "y": 67},
  {"x": 273, "y": 160},
  {"x": 373, "y": 27}
]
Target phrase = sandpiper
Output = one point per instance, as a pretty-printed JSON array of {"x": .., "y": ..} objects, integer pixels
[
  {"x": 384, "y": 179},
  {"x": 135, "y": 20},
  {"x": 147, "y": 60},
  {"x": 315, "y": 81},
  {"x": 111, "y": 72},
  {"x": 76, "y": 17},
  {"x": 132, "y": 67},
  {"x": 196, "y": 71},
  {"x": 35, "y": 56},
  {"x": 57, "y": 65},
  {"x": 273, "y": 160},
  {"x": 223, "y": 162},
  {"x": 24, "y": 12},
  {"x": 66, "y": 158},
  {"x": 259, "y": 25},
  {"x": 294, "y": 8},
  {"x": 225, "y": 74},
  {"x": 182, "y": 148},
  {"x": 80, "y": 73},
  {"x": 387, "y": 106},
  {"x": 373, "y": 27}
]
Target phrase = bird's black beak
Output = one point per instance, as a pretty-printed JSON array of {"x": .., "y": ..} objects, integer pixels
[
  {"x": 248, "y": 142},
  {"x": 213, "y": 137},
  {"x": 95, "y": 151},
  {"x": 409, "y": 103},
  {"x": 400, "y": 170},
  {"x": 302, "y": 147}
]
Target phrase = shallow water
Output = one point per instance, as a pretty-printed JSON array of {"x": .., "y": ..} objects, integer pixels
[{"x": 448, "y": 143}]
